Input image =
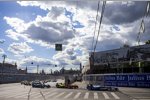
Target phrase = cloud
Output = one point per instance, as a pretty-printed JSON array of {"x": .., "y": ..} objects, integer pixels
[
  {"x": 2, "y": 40},
  {"x": 120, "y": 25},
  {"x": 11, "y": 61},
  {"x": 122, "y": 14},
  {"x": 53, "y": 28},
  {"x": 19, "y": 48},
  {"x": 16, "y": 23},
  {"x": 31, "y": 63},
  {"x": 49, "y": 32},
  {"x": 34, "y": 61},
  {"x": 66, "y": 57},
  {"x": 1, "y": 51}
]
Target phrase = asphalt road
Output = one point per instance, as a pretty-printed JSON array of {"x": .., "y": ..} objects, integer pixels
[
  {"x": 136, "y": 93},
  {"x": 17, "y": 91}
]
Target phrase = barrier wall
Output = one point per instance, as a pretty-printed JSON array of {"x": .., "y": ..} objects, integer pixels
[
  {"x": 120, "y": 80},
  {"x": 7, "y": 78}
]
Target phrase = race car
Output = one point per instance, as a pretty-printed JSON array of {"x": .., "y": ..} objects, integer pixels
[
  {"x": 60, "y": 85},
  {"x": 39, "y": 84},
  {"x": 101, "y": 88},
  {"x": 72, "y": 87}
]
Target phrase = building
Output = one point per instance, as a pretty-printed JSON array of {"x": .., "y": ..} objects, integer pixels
[
  {"x": 22, "y": 71},
  {"x": 86, "y": 69},
  {"x": 134, "y": 59},
  {"x": 8, "y": 68}
]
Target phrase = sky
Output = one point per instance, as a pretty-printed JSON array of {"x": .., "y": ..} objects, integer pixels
[{"x": 30, "y": 30}]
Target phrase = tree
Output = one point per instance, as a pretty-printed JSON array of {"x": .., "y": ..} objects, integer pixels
[
  {"x": 147, "y": 42},
  {"x": 126, "y": 45}
]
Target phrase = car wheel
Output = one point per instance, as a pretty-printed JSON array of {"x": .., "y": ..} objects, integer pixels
[
  {"x": 48, "y": 86},
  {"x": 116, "y": 89}
]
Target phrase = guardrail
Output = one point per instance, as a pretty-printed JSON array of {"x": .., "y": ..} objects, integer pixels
[{"x": 13, "y": 78}]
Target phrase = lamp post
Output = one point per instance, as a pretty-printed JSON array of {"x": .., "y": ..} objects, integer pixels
[
  {"x": 4, "y": 57},
  {"x": 37, "y": 69}
]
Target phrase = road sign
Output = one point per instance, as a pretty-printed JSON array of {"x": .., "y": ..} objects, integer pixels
[{"x": 58, "y": 47}]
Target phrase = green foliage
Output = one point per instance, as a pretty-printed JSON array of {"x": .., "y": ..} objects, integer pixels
[{"x": 147, "y": 42}]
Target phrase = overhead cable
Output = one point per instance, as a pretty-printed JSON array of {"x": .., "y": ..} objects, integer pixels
[
  {"x": 102, "y": 13},
  {"x": 95, "y": 25}
]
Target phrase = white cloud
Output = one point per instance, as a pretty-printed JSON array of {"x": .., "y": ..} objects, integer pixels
[
  {"x": 27, "y": 61},
  {"x": 36, "y": 61},
  {"x": 55, "y": 27},
  {"x": 11, "y": 61},
  {"x": 2, "y": 41},
  {"x": 17, "y": 24},
  {"x": 32, "y": 61},
  {"x": 19, "y": 48},
  {"x": 1, "y": 51}
]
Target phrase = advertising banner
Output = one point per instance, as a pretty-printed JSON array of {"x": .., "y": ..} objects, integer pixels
[
  {"x": 142, "y": 80},
  {"x": 121, "y": 80},
  {"x": 128, "y": 54}
]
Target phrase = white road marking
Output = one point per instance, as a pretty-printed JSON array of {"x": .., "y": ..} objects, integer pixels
[
  {"x": 59, "y": 94},
  {"x": 22, "y": 96},
  {"x": 115, "y": 96},
  {"x": 38, "y": 96},
  {"x": 47, "y": 92},
  {"x": 105, "y": 95},
  {"x": 51, "y": 94},
  {"x": 6, "y": 93},
  {"x": 33, "y": 94},
  {"x": 95, "y": 95},
  {"x": 86, "y": 95},
  {"x": 16, "y": 95},
  {"x": 67, "y": 96},
  {"x": 77, "y": 95}
]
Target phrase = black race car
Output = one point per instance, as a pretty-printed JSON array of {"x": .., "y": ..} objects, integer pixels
[
  {"x": 101, "y": 88},
  {"x": 26, "y": 82},
  {"x": 39, "y": 84}
]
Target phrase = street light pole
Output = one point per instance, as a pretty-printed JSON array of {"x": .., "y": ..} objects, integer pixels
[
  {"x": 37, "y": 69},
  {"x": 4, "y": 57}
]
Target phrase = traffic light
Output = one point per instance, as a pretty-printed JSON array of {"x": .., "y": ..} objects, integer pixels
[{"x": 58, "y": 47}]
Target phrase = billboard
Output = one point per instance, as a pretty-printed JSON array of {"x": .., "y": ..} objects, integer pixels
[
  {"x": 133, "y": 80},
  {"x": 127, "y": 54},
  {"x": 120, "y": 80}
]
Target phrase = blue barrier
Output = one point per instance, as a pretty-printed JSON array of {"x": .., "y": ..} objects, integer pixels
[
  {"x": 122, "y": 80},
  {"x": 140, "y": 80}
]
